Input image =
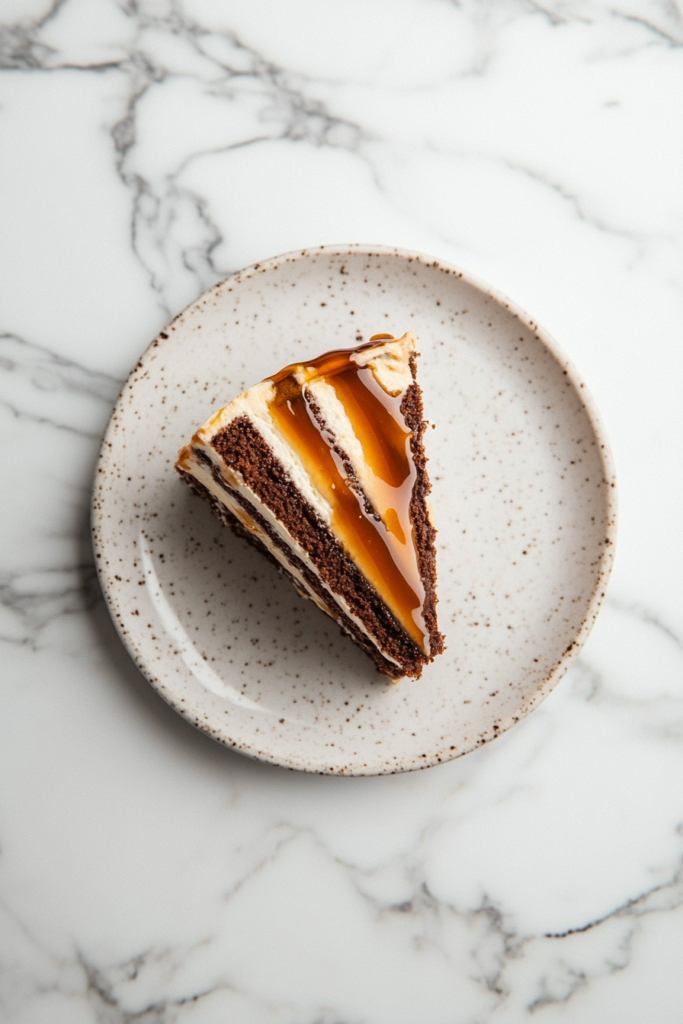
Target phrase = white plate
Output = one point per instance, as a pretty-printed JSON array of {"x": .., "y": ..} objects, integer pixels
[{"x": 523, "y": 497}]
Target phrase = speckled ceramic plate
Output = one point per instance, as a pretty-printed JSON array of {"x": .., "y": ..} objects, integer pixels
[{"x": 523, "y": 496}]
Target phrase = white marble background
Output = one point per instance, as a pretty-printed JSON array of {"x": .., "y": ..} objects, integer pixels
[{"x": 148, "y": 148}]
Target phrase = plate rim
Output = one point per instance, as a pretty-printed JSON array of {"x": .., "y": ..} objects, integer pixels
[{"x": 603, "y": 568}]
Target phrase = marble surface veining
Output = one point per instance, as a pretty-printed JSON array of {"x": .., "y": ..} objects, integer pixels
[{"x": 147, "y": 149}]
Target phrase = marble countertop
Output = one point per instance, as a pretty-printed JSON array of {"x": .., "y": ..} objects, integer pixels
[{"x": 147, "y": 149}]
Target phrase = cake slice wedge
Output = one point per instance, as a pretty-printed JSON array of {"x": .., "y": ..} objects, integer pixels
[{"x": 322, "y": 467}]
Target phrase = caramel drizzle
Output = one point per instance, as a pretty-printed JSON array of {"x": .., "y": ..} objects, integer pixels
[{"x": 379, "y": 540}]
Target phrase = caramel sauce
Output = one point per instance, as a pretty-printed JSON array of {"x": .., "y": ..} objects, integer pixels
[
  {"x": 183, "y": 460},
  {"x": 380, "y": 541}
]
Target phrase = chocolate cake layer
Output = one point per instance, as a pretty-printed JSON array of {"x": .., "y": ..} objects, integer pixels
[
  {"x": 223, "y": 513},
  {"x": 243, "y": 449},
  {"x": 424, "y": 531}
]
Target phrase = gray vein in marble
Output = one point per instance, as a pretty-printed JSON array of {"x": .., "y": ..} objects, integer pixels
[
  {"x": 672, "y": 36},
  {"x": 637, "y": 906},
  {"x": 568, "y": 981},
  {"x": 648, "y": 616},
  {"x": 294, "y": 116},
  {"x": 19, "y": 414},
  {"x": 578, "y": 205},
  {"x": 664, "y": 19},
  {"x": 153, "y": 211},
  {"x": 19, "y": 49},
  {"x": 45, "y": 373},
  {"x": 574, "y": 980},
  {"x": 497, "y": 947},
  {"x": 282, "y": 834},
  {"x": 30, "y": 376},
  {"x": 38, "y": 598},
  {"x": 590, "y": 680},
  {"x": 499, "y": 944},
  {"x": 554, "y": 17},
  {"x": 48, "y": 371},
  {"x": 107, "y": 1007}
]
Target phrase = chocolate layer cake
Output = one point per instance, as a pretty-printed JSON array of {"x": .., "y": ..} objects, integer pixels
[{"x": 322, "y": 468}]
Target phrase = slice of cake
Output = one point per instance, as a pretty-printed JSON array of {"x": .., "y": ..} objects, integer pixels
[{"x": 322, "y": 467}]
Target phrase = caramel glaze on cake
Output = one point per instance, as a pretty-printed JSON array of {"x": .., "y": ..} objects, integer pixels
[{"x": 361, "y": 542}]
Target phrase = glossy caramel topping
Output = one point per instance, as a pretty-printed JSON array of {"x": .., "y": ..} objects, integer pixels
[{"x": 380, "y": 540}]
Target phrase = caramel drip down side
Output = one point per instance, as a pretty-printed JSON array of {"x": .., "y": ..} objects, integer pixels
[{"x": 378, "y": 539}]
